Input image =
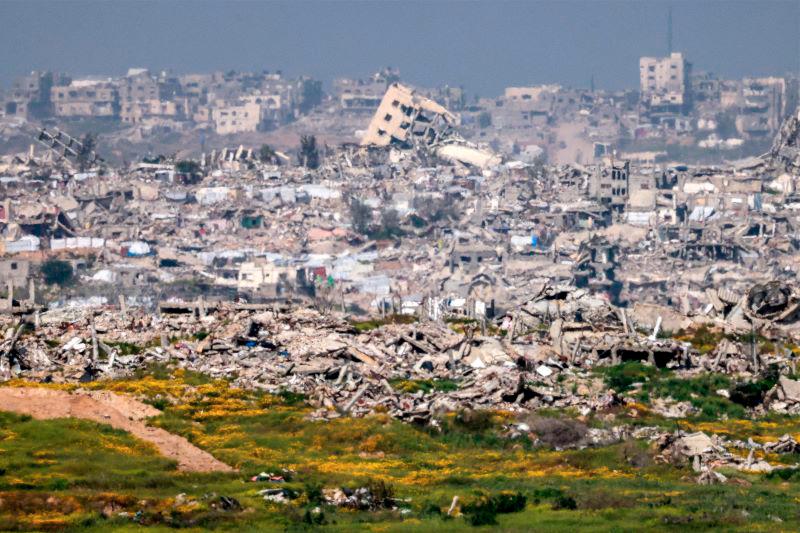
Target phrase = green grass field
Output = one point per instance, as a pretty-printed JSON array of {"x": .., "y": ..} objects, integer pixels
[{"x": 76, "y": 475}]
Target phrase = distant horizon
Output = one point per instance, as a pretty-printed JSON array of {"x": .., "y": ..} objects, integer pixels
[{"x": 481, "y": 46}]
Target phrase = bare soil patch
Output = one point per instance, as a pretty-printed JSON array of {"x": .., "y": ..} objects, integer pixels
[{"x": 116, "y": 410}]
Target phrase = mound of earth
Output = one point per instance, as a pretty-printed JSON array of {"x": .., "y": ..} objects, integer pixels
[{"x": 117, "y": 411}]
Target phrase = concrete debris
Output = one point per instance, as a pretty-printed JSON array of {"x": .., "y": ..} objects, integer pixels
[
  {"x": 542, "y": 361},
  {"x": 785, "y": 396},
  {"x": 707, "y": 453},
  {"x": 361, "y": 498},
  {"x": 773, "y": 301}
]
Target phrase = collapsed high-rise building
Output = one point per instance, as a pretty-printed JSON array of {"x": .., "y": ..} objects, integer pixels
[{"x": 407, "y": 120}]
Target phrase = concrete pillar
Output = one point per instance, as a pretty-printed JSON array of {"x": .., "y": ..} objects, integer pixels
[{"x": 123, "y": 309}]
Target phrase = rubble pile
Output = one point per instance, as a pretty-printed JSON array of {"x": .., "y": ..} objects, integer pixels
[
  {"x": 539, "y": 355},
  {"x": 707, "y": 453},
  {"x": 412, "y": 274}
]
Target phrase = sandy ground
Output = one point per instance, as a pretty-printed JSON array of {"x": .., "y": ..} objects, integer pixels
[{"x": 116, "y": 410}]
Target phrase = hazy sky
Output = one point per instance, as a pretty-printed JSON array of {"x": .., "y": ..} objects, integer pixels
[{"x": 484, "y": 46}]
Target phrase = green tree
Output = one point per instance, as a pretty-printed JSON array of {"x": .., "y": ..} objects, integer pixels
[
  {"x": 390, "y": 222},
  {"x": 360, "y": 216},
  {"x": 726, "y": 125},
  {"x": 484, "y": 120},
  {"x": 187, "y": 166},
  {"x": 266, "y": 154},
  {"x": 86, "y": 155},
  {"x": 309, "y": 153},
  {"x": 312, "y": 95},
  {"x": 57, "y": 272}
]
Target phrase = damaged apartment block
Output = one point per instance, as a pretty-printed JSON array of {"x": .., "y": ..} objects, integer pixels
[{"x": 407, "y": 120}]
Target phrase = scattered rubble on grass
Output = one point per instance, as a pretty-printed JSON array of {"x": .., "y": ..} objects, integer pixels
[{"x": 413, "y": 371}]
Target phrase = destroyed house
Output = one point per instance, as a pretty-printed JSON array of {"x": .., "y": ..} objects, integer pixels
[
  {"x": 85, "y": 98},
  {"x": 471, "y": 256},
  {"x": 610, "y": 184},
  {"x": 15, "y": 271},
  {"x": 596, "y": 267}
]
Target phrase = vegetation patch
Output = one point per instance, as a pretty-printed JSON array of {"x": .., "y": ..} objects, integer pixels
[
  {"x": 101, "y": 479},
  {"x": 484, "y": 510},
  {"x": 651, "y": 382},
  {"x": 425, "y": 385},
  {"x": 368, "y": 325}
]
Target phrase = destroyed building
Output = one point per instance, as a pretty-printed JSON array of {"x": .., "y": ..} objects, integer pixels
[
  {"x": 404, "y": 119},
  {"x": 407, "y": 120}
]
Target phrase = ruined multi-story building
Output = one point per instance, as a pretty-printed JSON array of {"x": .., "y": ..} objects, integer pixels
[
  {"x": 664, "y": 82},
  {"x": 363, "y": 96},
  {"x": 235, "y": 118},
  {"x": 85, "y": 98},
  {"x": 140, "y": 97},
  {"x": 404, "y": 117},
  {"x": 762, "y": 107},
  {"x": 30, "y": 95},
  {"x": 610, "y": 183},
  {"x": 523, "y": 108}
]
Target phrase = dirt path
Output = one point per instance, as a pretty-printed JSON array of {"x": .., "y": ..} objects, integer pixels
[{"x": 116, "y": 410}]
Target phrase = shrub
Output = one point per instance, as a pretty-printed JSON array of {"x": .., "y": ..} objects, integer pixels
[
  {"x": 548, "y": 493},
  {"x": 266, "y": 153},
  {"x": 382, "y": 492},
  {"x": 160, "y": 403},
  {"x": 430, "y": 509},
  {"x": 314, "y": 518},
  {"x": 125, "y": 348},
  {"x": 57, "y": 272},
  {"x": 200, "y": 335},
  {"x": 558, "y": 432},
  {"x": 475, "y": 420},
  {"x": 565, "y": 502},
  {"x": 784, "y": 474},
  {"x": 509, "y": 502},
  {"x": 291, "y": 398},
  {"x": 314, "y": 493},
  {"x": 601, "y": 499},
  {"x": 411, "y": 386},
  {"x": 390, "y": 225},
  {"x": 484, "y": 511},
  {"x": 702, "y": 339},
  {"x": 633, "y": 453},
  {"x": 621, "y": 377},
  {"x": 751, "y": 394},
  {"x": 360, "y": 216},
  {"x": 480, "y": 514}
]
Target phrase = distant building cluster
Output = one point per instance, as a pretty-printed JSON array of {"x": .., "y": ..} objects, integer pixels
[
  {"x": 227, "y": 102},
  {"x": 675, "y": 105}
]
